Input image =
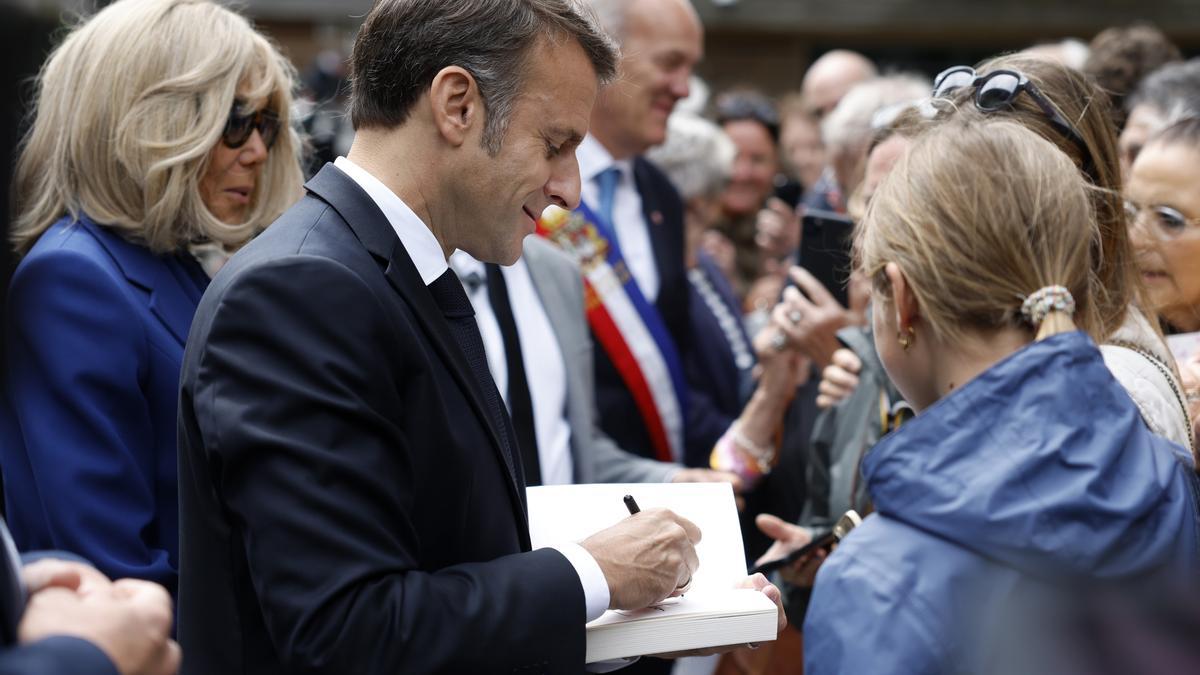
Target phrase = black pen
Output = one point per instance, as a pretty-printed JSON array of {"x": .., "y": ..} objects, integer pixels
[{"x": 631, "y": 505}]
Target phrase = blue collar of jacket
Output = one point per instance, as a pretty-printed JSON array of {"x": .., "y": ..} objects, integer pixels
[
  {"x": 174, "y": 282},
  {"x": 1042, "y": 461}
]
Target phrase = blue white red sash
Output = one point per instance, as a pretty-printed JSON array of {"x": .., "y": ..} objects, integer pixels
[{"x": 629, "y": 329}]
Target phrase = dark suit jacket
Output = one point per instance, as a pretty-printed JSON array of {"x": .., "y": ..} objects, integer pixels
[
  {"x": 345, "y": 504},
  {"x": 95, "y": 328},
  {"x": 619, "y": 416},
  {"x": 712, "y": 366}
]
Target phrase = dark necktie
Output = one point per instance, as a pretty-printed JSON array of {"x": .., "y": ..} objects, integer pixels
[
  {"x": 519, "y": 402},
  {"x": 448, "y": 292}
]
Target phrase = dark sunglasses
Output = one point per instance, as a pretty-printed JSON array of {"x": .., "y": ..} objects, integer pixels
[
  {"x": 998, "y": 89},
  {"x": 240, "y": 126},
  {"x": 1169, "y": 222}
]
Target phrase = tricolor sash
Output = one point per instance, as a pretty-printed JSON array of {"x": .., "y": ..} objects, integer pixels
[{"x": 628, "y": 327}]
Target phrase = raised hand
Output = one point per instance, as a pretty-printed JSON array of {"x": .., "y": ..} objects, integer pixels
[{"x": 839, "y": 379}]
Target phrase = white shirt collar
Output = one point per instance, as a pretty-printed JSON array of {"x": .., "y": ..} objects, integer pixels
[
  {"x": 593, "y": 158},
  {"x": 415, "y": 235},
  {"x": 465, "y": 265}
]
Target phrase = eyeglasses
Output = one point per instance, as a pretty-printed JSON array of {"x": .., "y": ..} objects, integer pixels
[
  {"x": 240, "y": 126},
  {"x": 1169, "y": 222},
  {"x": 998, "y": 89}
]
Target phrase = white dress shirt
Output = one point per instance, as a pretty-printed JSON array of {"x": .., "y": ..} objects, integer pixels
[
  {"x": 548, "y": 381},
  {"x": 633, "y": 234},
  {"x": 426, "y": 254}
]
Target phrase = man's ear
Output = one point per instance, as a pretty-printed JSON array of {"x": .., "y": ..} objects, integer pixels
[
  {"x": 455, "y": 104},
  {"x": 904, "y": 301}
]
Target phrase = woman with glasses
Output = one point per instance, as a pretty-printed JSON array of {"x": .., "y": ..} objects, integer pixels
[
  {"x": 1163, "y": 202},
  {"x": 1027, "y": 472},
  {"x": 1062, "y": 106},
  {"x": 159, "y": 125}
]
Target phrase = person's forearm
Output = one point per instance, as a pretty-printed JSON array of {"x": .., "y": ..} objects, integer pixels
[{"x": 763, "y": 415}]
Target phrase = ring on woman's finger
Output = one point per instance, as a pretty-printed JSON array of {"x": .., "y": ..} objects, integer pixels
[
  {"x": 778, "y": 341},
  {"x": 795, "y": 316}
]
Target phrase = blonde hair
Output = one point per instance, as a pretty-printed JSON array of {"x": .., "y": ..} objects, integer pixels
[
  {"x": 979, "y": 216},
  {"x": 128, "y": 109},
  {"x": 1087, "y": 108}
]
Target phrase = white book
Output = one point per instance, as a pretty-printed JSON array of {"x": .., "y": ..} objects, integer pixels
[{"x": 712, "y": 613}]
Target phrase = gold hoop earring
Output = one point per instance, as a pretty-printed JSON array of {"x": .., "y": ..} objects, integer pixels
[{"x": 906, "y": 337}]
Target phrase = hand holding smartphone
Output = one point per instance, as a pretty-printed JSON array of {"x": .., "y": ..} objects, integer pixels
[{"x": 824, "y": 540}]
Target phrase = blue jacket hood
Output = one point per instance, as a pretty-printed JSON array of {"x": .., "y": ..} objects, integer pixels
[{"x": 1042, "y": 460}]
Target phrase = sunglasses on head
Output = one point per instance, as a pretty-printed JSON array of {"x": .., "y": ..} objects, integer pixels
[
  {"x": 241, "y": 126},
  {"x": 998, "y": 89}
]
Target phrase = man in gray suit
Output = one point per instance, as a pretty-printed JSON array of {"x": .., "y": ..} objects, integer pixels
[{"x": 537, "y": 305}]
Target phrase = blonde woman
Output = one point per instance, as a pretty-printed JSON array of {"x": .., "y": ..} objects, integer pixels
[
  {"x": 1067, "y": 109},
  {"x": 159, "y": 124},
  {"x": 1027, "y": 460}
]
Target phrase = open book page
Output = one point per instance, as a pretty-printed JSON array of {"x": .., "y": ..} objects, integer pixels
[
  {"x": 712, "y": 613},
  {"x": 572, "y": 513}
]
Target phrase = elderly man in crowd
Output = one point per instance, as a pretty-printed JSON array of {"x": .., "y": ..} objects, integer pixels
[{"x": 646, "y": 403}]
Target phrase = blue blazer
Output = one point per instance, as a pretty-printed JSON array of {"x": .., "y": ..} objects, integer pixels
[{"x": 95, "y": 331}]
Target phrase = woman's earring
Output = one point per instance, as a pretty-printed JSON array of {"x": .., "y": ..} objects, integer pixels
[{"x": 906, "y": 337}]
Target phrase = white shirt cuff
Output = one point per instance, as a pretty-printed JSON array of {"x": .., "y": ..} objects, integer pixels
[{"x": 591, "y": 577}]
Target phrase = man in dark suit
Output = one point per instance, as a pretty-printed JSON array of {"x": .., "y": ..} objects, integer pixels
[
  {"x": 661, "y": 42},
  {"x": 350, "y": 489}
]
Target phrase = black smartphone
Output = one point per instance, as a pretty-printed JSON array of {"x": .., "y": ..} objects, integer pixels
[
  {"x": 822, "y": 541},
  {"x": 789, "y": 191},
  {"x": 825, "y": 250}
]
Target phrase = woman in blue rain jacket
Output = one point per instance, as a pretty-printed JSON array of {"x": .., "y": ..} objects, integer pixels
[{"x": 1028, "y": 469}]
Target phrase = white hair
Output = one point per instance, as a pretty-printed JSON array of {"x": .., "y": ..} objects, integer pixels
[
  {"x": 850, "y": 122},
  {"x": 697, "y": 156}
]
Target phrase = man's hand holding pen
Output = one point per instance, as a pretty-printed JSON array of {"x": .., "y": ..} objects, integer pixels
[{"x": 646, "y": 558}]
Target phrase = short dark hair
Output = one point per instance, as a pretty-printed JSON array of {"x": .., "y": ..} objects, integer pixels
[
  {"x": 404, "y": 43},
  {"x": 1119, "y": 57},
  {"x": 748, "y": 104}
]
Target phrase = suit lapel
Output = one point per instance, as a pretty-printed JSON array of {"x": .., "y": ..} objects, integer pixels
[
  {"x": 170, "y": 302},
  {"x": 372, "y": 229},
  {"x": 652, "y": 209}
]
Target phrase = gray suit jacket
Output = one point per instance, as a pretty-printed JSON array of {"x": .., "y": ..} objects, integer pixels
[{"x": 596, "y": 457}]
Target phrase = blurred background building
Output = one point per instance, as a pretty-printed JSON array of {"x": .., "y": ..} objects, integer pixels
[{"x": 766, "y": 44}]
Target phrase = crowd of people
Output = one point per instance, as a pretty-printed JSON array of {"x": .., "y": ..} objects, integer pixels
[{"x": 263, "y": 413}]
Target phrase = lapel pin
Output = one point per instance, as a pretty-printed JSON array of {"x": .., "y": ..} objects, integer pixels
[{"x": 656, "y": 217}]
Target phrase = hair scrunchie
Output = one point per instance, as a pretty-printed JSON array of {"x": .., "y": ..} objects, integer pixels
[{"x": 1039, "y": 304}]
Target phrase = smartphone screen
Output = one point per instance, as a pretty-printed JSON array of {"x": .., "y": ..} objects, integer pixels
[{"x": 825, "y": 250}]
